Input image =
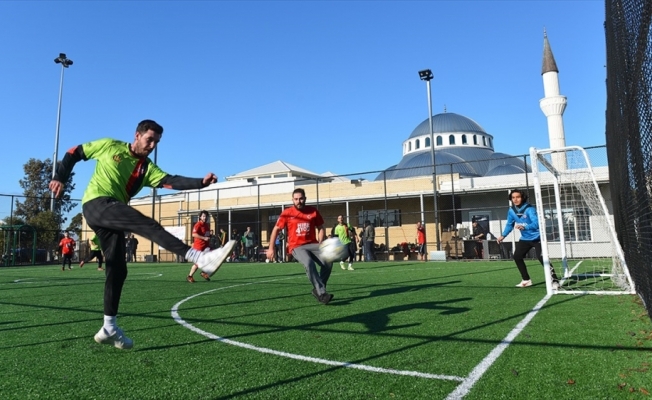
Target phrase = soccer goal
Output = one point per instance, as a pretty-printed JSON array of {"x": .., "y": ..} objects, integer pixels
[{"x": 578, "y": 237}]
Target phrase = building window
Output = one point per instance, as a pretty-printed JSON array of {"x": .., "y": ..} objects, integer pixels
[
  {"x": 451, "y": 139},
  {"x": 490, "y": 145},
  {"x": 379, "y": 218},
  {"x": 427, "y": 142},
  {"x": 464, "y": 139},
  {"x": 576, "y": 221},
  {"x": 484, "y": 141},
  {"x": 281, "y": 175},
  {"x": 417, "y": 144},
  {"x": 475, "y": 140},
  {"x": 439, "y": 141}
]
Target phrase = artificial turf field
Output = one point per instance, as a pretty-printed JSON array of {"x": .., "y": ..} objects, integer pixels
[{"x": 395, "y": 330}]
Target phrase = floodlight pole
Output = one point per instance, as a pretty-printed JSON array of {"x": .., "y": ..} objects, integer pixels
[
  {"x": 426, "y": 75},
  {"x": 65, "y": 63}
]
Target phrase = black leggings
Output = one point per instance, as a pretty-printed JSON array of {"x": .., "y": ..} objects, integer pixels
[
  {"x": 110, "y": 218},
  {"x": 521, "y": 250},
  {"x": 95, "y": 254}
]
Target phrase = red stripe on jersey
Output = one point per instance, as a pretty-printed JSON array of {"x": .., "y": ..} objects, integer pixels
[{"x": 136, "y": 175}]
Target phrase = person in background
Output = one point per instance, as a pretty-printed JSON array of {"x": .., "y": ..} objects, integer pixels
[
  {"x": 278, "y": 244},
  {"x": 523, "y": 216},
  {"x": 479, "y": 235},
  {"x": 134, "y": 247},
  {"x": 250, "y": 244},
  {"x": 222, "y": 237},
  {"x": 421, "y": 241},
  {"x": 343, "y": 233},
  {"x": 369, "y": 237},
  {"x": 95, "y": 252},
  {"x": 201, "y": 243},
  {"x": 67, "y": 247},
  {"x": 302, "y": 222}
]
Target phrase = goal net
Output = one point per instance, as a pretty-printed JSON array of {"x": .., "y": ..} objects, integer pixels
[{"x": 578, "y": 237}]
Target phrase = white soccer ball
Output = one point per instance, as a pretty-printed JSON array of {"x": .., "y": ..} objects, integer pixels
[{"x": 332, "y": 250}]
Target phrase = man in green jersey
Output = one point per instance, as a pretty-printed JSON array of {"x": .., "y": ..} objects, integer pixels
[
  {"x": 95, "y": 252},
  {"x": 121, "y": 171},
  {"x": 343, "y": 231}
]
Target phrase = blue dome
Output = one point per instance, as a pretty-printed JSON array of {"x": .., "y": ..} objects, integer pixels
[
  {"x": 447, "y": 123},
  {"x": 468, "y": 159}
]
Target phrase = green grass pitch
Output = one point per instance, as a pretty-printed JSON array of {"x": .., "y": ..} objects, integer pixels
[{"x": 395, "y": 330}]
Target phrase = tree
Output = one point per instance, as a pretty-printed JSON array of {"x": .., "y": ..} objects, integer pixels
[
  {"x": 37, "y": 195},
  {"x": 76, "y": 225}
]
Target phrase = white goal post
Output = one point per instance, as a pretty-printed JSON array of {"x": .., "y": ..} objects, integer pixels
[{"x": 577, "y": 232}]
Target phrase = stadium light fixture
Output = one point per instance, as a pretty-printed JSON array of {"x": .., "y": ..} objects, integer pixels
[
  {"x": 426, "y": 75},
  {"x": 65, "y": 63}
]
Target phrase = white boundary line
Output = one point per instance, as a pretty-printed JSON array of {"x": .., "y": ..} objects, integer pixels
[
  {"x": 475, "y": 375},
  {"x": 179, "y": 320}
]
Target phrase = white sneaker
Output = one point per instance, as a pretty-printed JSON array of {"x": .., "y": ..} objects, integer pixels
[
  {"x": 210, "y": 262},
  {"x": 555, "y": 285},
  {"x": 525, "y": 283},
  {"x": 350, "y": 268},
  {"x": 118, "y": 339},
  {"x": 342, "y": 265}
]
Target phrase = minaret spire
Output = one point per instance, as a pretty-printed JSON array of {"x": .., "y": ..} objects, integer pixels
[{"x": 553, "y": 104}]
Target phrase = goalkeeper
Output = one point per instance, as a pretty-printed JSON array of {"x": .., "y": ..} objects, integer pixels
[{"x": 523, "y": 216}]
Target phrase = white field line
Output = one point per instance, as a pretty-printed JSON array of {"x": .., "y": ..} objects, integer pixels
[
  {"x": 475, "y": 375},
  {"x": 179, "y": 320}
]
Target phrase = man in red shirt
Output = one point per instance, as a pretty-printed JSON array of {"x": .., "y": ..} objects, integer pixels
[
  {"x": 301, "y": 222},
  {"x": 67, "y": 246},
  {"x": 201, "y": 239},
  {"x": 421, "y": 241}
]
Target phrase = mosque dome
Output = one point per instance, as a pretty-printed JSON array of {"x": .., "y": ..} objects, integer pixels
[{"x": 462, "y": 147}]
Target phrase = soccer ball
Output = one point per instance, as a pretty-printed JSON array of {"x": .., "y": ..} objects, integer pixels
[{"x": 333, "y": 249}]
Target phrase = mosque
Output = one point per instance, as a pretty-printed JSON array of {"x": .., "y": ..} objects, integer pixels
[{"x": 472, "y": 182}]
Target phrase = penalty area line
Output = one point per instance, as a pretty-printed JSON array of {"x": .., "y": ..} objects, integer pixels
[{"x": 479, "y": 370}]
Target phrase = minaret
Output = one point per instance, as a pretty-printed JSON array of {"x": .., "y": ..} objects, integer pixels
[{"x": 553, "y": 104}]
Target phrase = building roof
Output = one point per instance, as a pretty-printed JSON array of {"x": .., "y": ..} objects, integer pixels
[{"x": 272, "y": 169}]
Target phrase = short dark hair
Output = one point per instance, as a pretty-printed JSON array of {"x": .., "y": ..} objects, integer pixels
[
  {"x": 299, "y": 190},
  {"x": 148, "y": 124},
  {"x": 203, "y": 212}
]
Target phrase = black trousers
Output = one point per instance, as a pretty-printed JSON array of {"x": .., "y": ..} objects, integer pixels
[
  {"x": 95, "y": 254},
  {"x": 521, "y": 250},
  {"x": 109, "y": 219}
]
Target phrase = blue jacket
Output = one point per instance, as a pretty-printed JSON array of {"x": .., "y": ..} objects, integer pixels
[{"x": 525, "y": 215}]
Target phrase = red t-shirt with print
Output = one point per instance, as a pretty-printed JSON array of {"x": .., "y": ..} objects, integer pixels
[{"x": 301, "y": 225}]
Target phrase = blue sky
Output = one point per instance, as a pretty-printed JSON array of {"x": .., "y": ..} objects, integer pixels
[{"x": 324, "y": 85}]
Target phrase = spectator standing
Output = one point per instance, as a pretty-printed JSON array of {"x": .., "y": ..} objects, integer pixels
[
  {"x": 361, "y": 245},
  {"x": 134, "y": 248},
  {"x": 128, "y": 252},
  {"x": 213, "y": 241},
  {"x": 479, "y": 235},
  {"x": 222, "y": 237},
  {"x": 278, "y": 243},
  {"x": 67, "y": 247},
  {"x": 250, "y": 244},
  {"x": 237, "y": 249},
  {"x": 369, "y": 238}
]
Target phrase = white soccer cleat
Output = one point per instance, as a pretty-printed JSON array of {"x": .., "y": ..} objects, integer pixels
[
  {"x": 117, "y": 340},
  {"x": 342, "y": 265},
  {"x": 210, "y": 262},
  {"x": 525, "y": 283}
]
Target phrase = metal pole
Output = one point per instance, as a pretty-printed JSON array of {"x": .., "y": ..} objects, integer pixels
[
  {"x": 151, "y": 242},
  {"x": 434, "y": 166},
  {"x": 56, "y": 136}
]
